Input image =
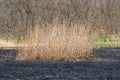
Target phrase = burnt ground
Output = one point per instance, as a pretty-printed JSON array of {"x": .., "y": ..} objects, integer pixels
[{"x": 104, "y": 66}]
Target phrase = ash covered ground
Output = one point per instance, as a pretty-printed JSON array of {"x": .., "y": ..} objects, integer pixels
[{"x": 104, "y": 66}]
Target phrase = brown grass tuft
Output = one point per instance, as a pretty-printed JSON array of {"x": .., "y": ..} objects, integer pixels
[{"x": 57, "y": 42}]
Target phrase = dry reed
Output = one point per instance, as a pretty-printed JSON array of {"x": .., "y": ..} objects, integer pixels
[{"x": 57, "y": 42}]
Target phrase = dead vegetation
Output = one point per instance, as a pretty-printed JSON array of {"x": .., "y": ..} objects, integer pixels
[
  {"x": 57, "y": 29},
  {"x": 58, "y": 42}
]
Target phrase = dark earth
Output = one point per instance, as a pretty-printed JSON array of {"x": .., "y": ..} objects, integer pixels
[{"x": 105, "y": 65}]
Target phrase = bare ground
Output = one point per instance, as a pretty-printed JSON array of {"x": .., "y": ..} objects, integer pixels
[{"x": 105, "y": 65}]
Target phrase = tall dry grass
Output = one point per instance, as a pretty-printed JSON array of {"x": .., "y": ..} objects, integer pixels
[{"x": 57, "y": 42}]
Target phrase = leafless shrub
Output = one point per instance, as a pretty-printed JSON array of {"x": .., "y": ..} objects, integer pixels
[{"x": 17, "y": 15}]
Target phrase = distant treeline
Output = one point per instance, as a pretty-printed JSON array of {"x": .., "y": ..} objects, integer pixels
[{"x": 16, "y": 16}]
